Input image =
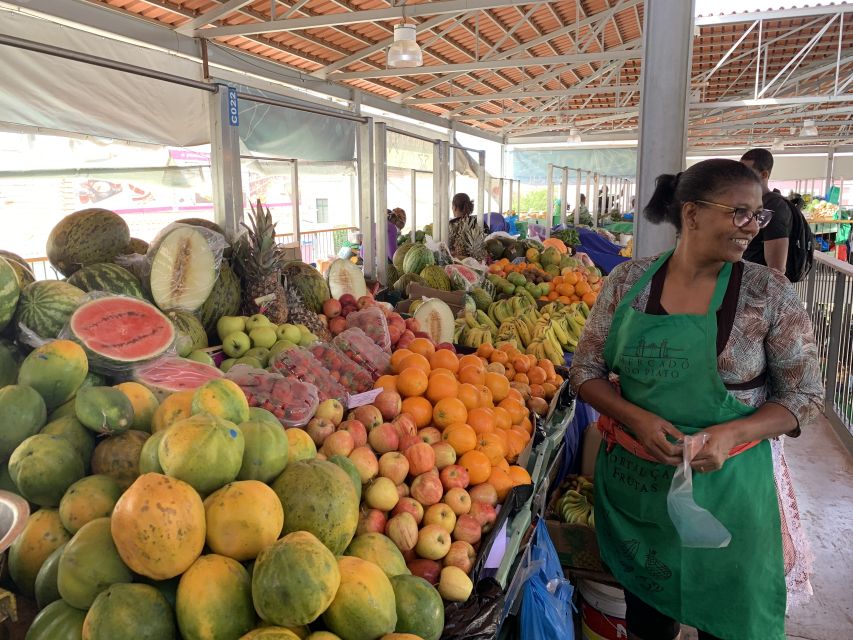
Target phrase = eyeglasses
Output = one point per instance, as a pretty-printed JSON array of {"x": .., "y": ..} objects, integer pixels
[{"x": 742, "y": 216}]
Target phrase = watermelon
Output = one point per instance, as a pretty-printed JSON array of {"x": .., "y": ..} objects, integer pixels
[
  {"x": 224, "y": 300},
  {"x": 183, "y": 269},
  {"x": 434, "y": 276},
  {"x": 462, "y": 277},
  {"x": 436, "y": 318},
  {"x": 21, "y": 267},
  {"x": 45, "y": 306},
  {"x": 418, "y": 258},
  {"x": 391, "y": 274},
  {"x": 345, "y": 277},
  {"x": 107, "y": 277},
  {"x": 191, "y": 333},
  {"x": 169, "y": 375},
  {"x": 86, "y": 237},
  {"x": 117, "y": 331},
  {"x": 308, "y": 281},
  {"x": 400, "y": 255},
  {"x": 10, "y": 291}
]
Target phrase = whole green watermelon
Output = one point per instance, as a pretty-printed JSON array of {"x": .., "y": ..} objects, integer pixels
[
  {"x": 418, "y": 258},
  {"x": 45, "y": 306},
  {"x": 400, "y": 255},
  {"x": 108, "y": 277},
  {"x": 191, "y": 332},
  {"x": 224, "y": 300},
  {"x": 21, "y": 267}
]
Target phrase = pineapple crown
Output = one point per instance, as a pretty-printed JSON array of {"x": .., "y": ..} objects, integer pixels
[{"x": 257, "y": 250}]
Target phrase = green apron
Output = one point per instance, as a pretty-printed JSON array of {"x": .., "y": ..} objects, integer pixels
[{"x": 667, "y": 364}]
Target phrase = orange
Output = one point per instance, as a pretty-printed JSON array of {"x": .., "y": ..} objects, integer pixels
[
  {"x": 472, "y": 374},
  {"x": 486, "y": 399},
  {"x": 521, "y": 432},
  {"x": 422, "y": 346},
  {"x": 397, "y": 358},
  {"x": 582, "y": 288},
  {"x": 442, "y": 372},
  {"x": 503, "y": 465},
  {"x": 571, "y": 277},
  {"x": 492, "y": 446},
  {"x": 519, "y": 475},
  {"x": 517, "y": 410},
  {"x": 420, "y": 409},
  {"x": 477, "y": 464},
  {"x": 469, "y": 395},
  {"x": 449, "y": 410},
  {"x": 482, "y": 419},
  {"x": 525, "y": 425},
  {"x": 461, "y": 437},
  {"x": 414, "y": 360},
  {"x": 589, "y": 298},
  {"x": 502, "y": 418},
  {"x": 501, "y": 481},
  {"x": 386, "y": 382},
  {"x": 471, "y": 360},
  {"x": 441, "y": 387},
  {"x": 515, "y": 444},
  {"x": 521, "y": 364},
  {"x": 500, "y": 356},
  {"x": 412, "y": 382},
  {"x": 485, "y": 350},
  {"x": 498, "y": 385},
  {"x": 444, "y": 359},
  {"x": 537, "y": 375},
  {"x": 537, "y": 391},
  {"x": 518, "y": 377}
]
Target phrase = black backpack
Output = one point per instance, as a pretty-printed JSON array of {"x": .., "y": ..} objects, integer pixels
[{"x": 800, "y": 245}]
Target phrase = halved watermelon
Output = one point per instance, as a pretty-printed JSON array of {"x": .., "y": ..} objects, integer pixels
[
  {"x": 117, "y": 331},
  {"x": 169, "y": 375},
  {"x": 462, "y": 277},
  {"x": 345, "y": 277},
  {"x": 436, "y": 318}
]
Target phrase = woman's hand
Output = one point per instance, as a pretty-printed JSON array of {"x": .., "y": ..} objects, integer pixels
[
  {"x": 652, "y": 431},
  {"x": 713, "y": 455}
]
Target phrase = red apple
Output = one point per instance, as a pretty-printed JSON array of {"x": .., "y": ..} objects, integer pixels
[
  {"x": 485, "y": 514},
  {"x": 429, "y": 570},
  {"x": 339, "y": 443},
  {"x": 412, "y": 506},
  {"x": 371, "y": 521},
  {"x": 409, "y": 556},
  {"x": 381, "y": 494},
  {"x": 484, "y": 493},
  {"x": 365, "y": 301},
  {"x": 405, "y": 340},
  {"x": 427, "y": 489},
  {"x": 403, "y": 490},
  {"x": 421, "y": 458},
  {"x": 447, "y": 346},
  {"x": 433, "y": 542},
  {"x": 337, "y": 325},
  {"x": 365, "y": 461},
  {"x": 458, "y": 500},
  {"x": 332, "y": 308},
  {"x": 430, "y": 435},
  {"x": 423, "y": 334},
  {"x": 468, "y": 529},
  {"x": 389, "y": 404},
  {"x": 445, "y": 455},
  {"x": 409, "y": 441},
  {"x": 413, "y": 325},
  {"x": 454, "y": 476},
  {"x": 319, "y": 429},
  {"x": 357, "y": 430},
  {"x": 395, "y": 333},
  {"x": 348, "y": 309},
  {"x": 394, "y": 465},
  {"x": 442, "y": 515},
  {"x": 461, "y": 555},
  {"x": 405, "y": 424},
  {"x": 368, "y": 415},
  {"x": 346, "y": 299},
  {"x": 403, "y": 531},
  {"x": 384, "y": 438}
]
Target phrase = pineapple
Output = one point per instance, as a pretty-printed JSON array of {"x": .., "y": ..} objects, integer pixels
[
  {"x": 259, "y": 263},
  {"x": 301, "y": 314},
  {"x": 469, "y": 240}
]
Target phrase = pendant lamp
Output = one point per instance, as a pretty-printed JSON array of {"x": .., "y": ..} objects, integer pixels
[{"x": 404, "y": 52}]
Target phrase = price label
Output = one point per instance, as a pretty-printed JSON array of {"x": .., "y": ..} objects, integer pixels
[
  {"x": 361, "y": 399},
  {"x": 233, "y": 110}
]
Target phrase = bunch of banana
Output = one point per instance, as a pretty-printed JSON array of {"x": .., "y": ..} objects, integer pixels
[
  {"x": 519, "y": 329},
  {"x": 474, "y": 328},
  {"x": 567, "y": 322},
  {"x": 575, "y": 508},
  {"x": 511, "y": 308}
]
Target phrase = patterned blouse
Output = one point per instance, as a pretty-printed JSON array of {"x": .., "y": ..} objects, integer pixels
[{"x": 772, "y": 332}]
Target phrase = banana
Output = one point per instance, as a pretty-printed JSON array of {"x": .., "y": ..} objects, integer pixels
[
  {"x": 486, "y": 321},
  {"x": 530, "y": 322},
  {"x": 523, "y": 332},
  {"x": 487, "y": 337},
  {"x": 457, "y": 334},
  {"x": 584, "y": 307},
  {"x": 492, "y": 314},
  {"x": 560, "y": 332},
  {"x": 470, "y": 321},
  {"x": 554, "y": 354}
]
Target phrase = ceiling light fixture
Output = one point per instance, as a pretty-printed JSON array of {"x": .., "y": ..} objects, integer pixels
[
  {"x": 405, "y": 53},
  {"x": 809, "y": 129}
]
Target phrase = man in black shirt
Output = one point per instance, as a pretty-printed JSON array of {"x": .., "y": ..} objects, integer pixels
[{"x": 770, "y": 246}]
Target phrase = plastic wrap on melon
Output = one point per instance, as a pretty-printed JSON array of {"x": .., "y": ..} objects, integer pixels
[
  {"x": 363, "y": 351},
  {"x": 292, "y": 401},
  {"x": 374, "y": 323},
  {"x": 171, "y": 374},
  {"x": 299, "y": 363},
  {"x": 350, "y": 375}
]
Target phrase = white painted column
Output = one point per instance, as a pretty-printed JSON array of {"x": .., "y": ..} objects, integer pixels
[
  {"x": 225, "y": 160},
  {"x": 380, "y": 154}
]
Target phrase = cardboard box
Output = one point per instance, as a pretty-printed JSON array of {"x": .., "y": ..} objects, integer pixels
[
  {"x": 576, "y": 544},
  {"x": 454, "y": 299},
  {"x": 291, "y": 251}
]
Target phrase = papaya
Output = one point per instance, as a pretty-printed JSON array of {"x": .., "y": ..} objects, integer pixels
[
  {"x": 149, "y": 457},
  {"x": 270, "y": 633},
  {"x": 42, "y": 535},
  {"x": 104, "y": 410},
  {"x": 57, "y": 621},
  {"x": 46, "y": 588},
  {"x": 222, "y": 398},
  {"x": 242, "y": 518},
  {"x": 70, "y": 428},
  {"x": 144, "y": 404},
  {"x": 130, "y": 610},
  {"x": 381, "y": 551},
  {"x": 87, "y": 499},
  {"x": 56, "y": 370},
  {"x": 364, "y": 607},
  {"x": 118, "y": 456},
  {"x": 419, "y": 607},
  {"x": 265, "y": 452},
  {"x": 24, "y": 414},
  {"x": 174, "y": 408},
  {"x": 349, "y": 466},
  {"x": 43, "y": 467}
]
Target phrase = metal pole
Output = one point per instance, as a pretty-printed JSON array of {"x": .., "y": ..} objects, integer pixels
[
  {"x": 414, "y": 204},
  {"x": 830, "y": 166},
  {"x": 564, "y": 199},
  {"x": 225, "y": 167},
  {"x": 549, "y": 197},
  {"x": 595, "y": 201},
  {"x": 380, "y": 141},
  {"x": 366, "y": 209},
  {"x": 511, "y": 185},
  {"x": 481, "y": 188},
  {"x": 294, "y": 191},
  {"x": 501, "y": 205},
  {"x": 589, "y": 199},
  {"x": 577, "y": 195},
  {"x": 518, "y": 197}
]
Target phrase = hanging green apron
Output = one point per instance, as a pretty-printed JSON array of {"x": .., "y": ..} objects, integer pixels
[{"x": 667, "y": 364}]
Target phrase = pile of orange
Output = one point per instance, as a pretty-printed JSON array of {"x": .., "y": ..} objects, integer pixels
[
  {"x": 479, "y": 414},
  {"x": 504, "y": 266},
  {"x": 575, "y": 285}
]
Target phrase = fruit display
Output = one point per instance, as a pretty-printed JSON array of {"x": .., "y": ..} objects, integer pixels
[{"x": 576, "y": 504}]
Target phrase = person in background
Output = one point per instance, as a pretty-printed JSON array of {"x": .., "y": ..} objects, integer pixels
[
  {"x": 770, "y": 246},
  {"x": 696, "y": 342},
  {"x": 462, "y": 208},
  {"x": 583, "y": 212},
  {"x": 396, "y": 222}
]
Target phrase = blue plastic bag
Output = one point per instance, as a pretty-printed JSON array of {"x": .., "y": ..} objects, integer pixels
[{"x": 546, "y": 606}]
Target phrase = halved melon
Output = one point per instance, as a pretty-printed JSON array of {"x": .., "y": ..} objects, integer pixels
[
  {"x": 169, "y": 375},
  {"x": 183, "y": 270},
  {"x": 436, "y": 318},
  {"x": 345, "y": 277},
  {"x": 120, "y": 330}
]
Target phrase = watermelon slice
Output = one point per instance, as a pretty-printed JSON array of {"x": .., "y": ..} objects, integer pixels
[
  {"x": 117, "y": 331},
  {"x": 462, "y": 277},
  {"x": 170, "y": 374}
]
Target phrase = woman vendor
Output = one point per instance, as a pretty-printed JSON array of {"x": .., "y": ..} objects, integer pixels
[{"x": 696, "y": 341}]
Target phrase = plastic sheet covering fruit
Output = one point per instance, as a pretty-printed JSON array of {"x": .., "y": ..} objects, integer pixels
[
  {"x": 291, "y": 401},
  {"x": 374, "y": 323},
  {"x": 363, "y": 351},
  {"x": 352, "y": 377},
  {"x": 299, "y": 363}
]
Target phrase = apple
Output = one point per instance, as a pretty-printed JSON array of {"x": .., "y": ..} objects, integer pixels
[
  {"x": 454, "y": 476},
  {"x": 261, "y": 354},
  {"x": 403, "y": 531},
  {"x": 421, "y": 457},
  {"x": 307, "y": 338},
  {"x": 412, "y": 506},
  {"x": 279, "y": 346},
  {"x": 365, "y": 301},
  {"x": 430, "y": 435},
  {"x": 405, "y": 424},
  {"x": 347, "y": 299},
  {"x": 320, "y": 456},
  {"x": 442, "y": 515},
  {"x": 200, "y": 355},
  {"x": 429, "y": 570},
  {"x": 332, "y": 308},
  {"x": 445, "y": 455},
  {"x": 257, "y": 320},
  {"x": 423, "y": 334},
  {"x": 337, "y": 325},
  {"x": 319, "y": 429},
  {"x": 389, "y": 404},
  {"x": 330, "y": 409},
  {"x": 461, "y": 555},
  {"x": 371, "y": 521},
  {"x": 409, "y": 555},
  {"x": 412, "y": 325},
  {"x": 409, "y": 441},
  {"x": 289, "y": 332},
  {"x": 427, "y": 489},
  {"x": 484, "y": 493},
  {"x": 485, "y": 514},
  {"x": 264, "y": 336},
  {"x": 227, "y": 325},
  {"x": 338, "y": 443},
  {"x": 236, "y": 344},
  {"x": 365, "y": 461},
  {"x": 405, "y": 340},
  {"x": 381, "y": 494},
  {"x": 394, "y": 466},
  {"x": 403, "y": 490},
  {"x": 395, "y": 333},
  {"x": 454, "y": 585},
  {"x": 368, "y": 415},
  {"x": 467, "y": 528},
  {"x": 446, "y": 346},
  {"x": 433, "y": 542},
  {"x": 356, "y": 430},
  {"x": 458, "y": 500},
  {"x": 250, "y": 361},
  {"x": 384, "y": 438},
  {"x": 226, "y": 364}
]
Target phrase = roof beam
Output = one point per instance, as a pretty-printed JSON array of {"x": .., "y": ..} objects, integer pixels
[
  {"x": 773, "y": 14},
  {"x": 538, "y": 113},
  {"x": 211, "y": 16},
  {"x": 354, "y": 17},
  {"x": 736, "y": 104},
  {"x": 512, "y": 95}
]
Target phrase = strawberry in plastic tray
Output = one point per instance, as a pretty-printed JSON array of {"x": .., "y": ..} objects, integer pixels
[
  {"x": 291, "y": 401},
  {"x": 374, "y": 323},
  {"x": 363, "y": 351},
  {"x": 352, "y": 376},
  {"x": 301, "y": 364}
]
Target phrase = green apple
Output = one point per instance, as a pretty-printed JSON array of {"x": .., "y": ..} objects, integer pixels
[
  {"x": 307, "y": 339},
  {"x": 250, "y": 361},
  {"x": 236, "y": 344},
  {"x": 227, "y": 364},
  {"x": 229, "y": 324},
  {"x": 257, "y": 320},
  {"x": 261, "y": 353},
  {"x": 200, "y": 355},
  {"x": 280, "y": 346},
  {"x": 289, "y": 332},
  {"x": 263, "y": 336},
  {"x": 330, "y": 409}
]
